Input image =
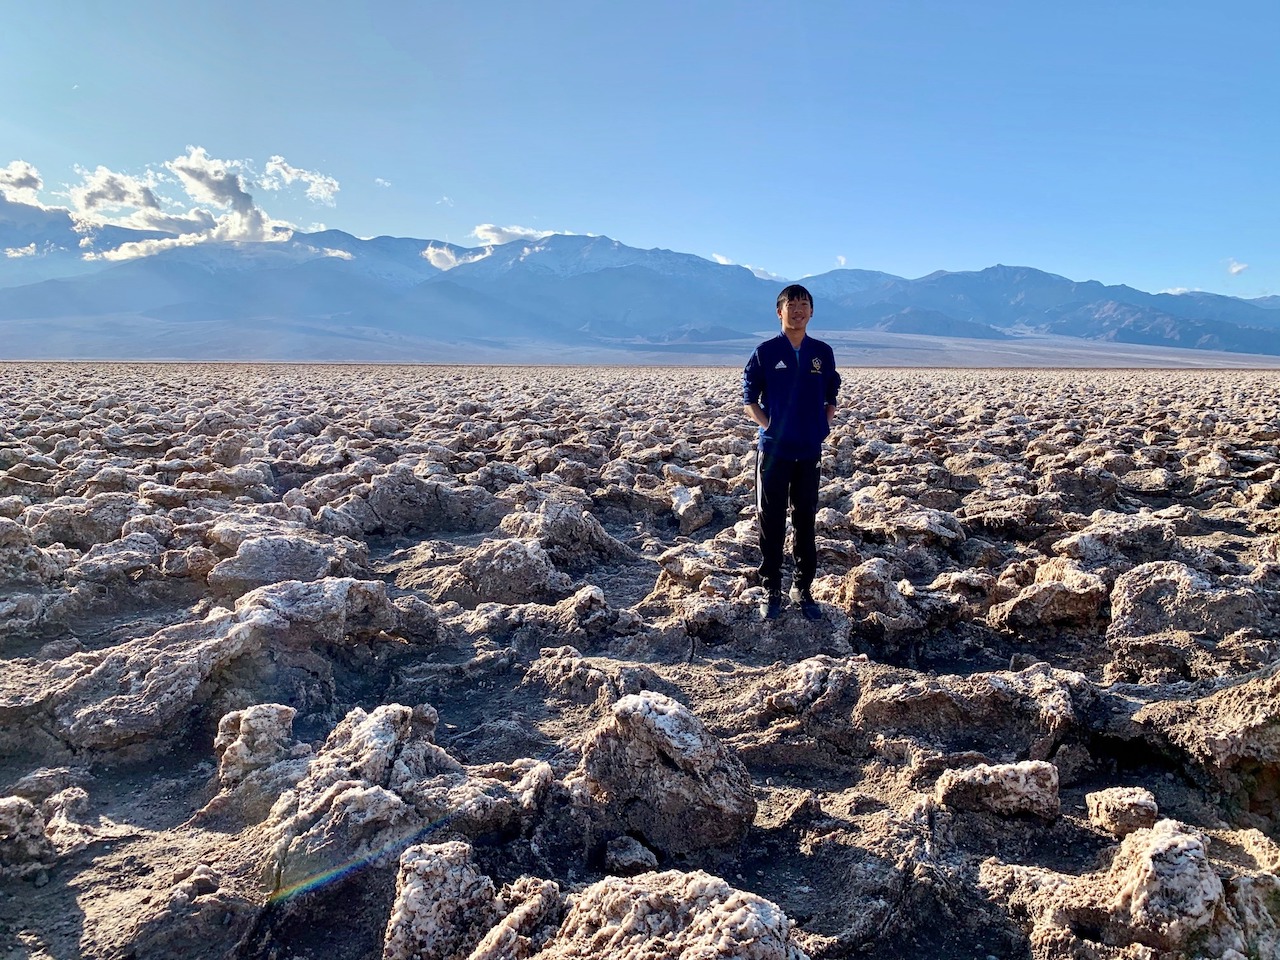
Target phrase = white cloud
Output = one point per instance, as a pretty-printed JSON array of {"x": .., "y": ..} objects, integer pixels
[
  {"x": 19, "y": 182},
  {"x": 382, "y": 183},
  {"x": 194, "y": 197},
  {"x": 1176, "y": 291},
  {"x": 320, "y": 188},
  {"x": 757, "y": 271},
  {"x": 442, "y": 258},
  {"x": 338, "y": 254},
  {"x": 195, "y": 220},
  {"x": 210, "y": 180},
  {"x": 840, "y": 260},
  {"x": 447, "y": 201},
  {"x": 218, "y": 182},
  {"x": 14, "y": 253},
  {"x": 492, "y": 235},
  {"x": 119, "y": 199},
  {"x": 104, "y": 189},
  {"x": 1234, "y": 268},
  {"x": 146, "y": 248}
]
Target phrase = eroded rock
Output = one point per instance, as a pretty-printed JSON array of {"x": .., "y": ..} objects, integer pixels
[
  {"x": 669, "y": 915},
  {"x": 1160, "y": 892},
  {"x": 1122, "y": 810},
  {"x": 1027, "y": 787},
  {"x": 653, "y": 770},
  {"x": 1168, "y": 595}
]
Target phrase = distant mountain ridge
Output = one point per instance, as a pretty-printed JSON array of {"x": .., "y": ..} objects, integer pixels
[{"x": 209, "y": 299}]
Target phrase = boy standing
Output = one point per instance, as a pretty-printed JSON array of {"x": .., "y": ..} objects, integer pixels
[{"x": 789, "y": 389}]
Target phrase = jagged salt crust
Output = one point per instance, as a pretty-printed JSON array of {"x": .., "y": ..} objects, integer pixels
[{"x": 266, "y": 629}]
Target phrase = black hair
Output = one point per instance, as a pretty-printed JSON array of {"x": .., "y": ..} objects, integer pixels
[{"x": 794, "y": 292}]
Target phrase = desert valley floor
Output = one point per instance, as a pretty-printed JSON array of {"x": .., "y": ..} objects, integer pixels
[{"x": 349, "y": 662}]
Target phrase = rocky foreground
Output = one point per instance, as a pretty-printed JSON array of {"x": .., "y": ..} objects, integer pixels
[{"x": 346, "y": 662}]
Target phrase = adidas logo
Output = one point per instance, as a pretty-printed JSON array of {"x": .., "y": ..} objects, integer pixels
[{"x": 782, "y": 365}]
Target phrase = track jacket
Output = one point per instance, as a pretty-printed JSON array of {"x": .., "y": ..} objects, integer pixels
[{"x": 794, "y": 392}]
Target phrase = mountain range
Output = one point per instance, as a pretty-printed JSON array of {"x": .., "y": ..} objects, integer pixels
[{"x": 331, "y": 296}]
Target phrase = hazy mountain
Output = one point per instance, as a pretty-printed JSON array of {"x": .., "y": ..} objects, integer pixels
[
  {"x": 400, "y": 261},
  {"x": 932, "y": 323},
  {"x": 1130, "y": 323},
  {"x": 1210, "y": 306},
  {"x": 378, "y": 297},
  {"x": 1016, "y": 299},
  {"x": 841, "y": 283},
  {"x": 568, "y": 255}
]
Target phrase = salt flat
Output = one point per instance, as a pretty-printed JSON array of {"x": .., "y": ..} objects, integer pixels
[{"x": 357, "y": 661}]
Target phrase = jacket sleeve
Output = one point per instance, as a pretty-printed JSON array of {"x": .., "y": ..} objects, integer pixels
[
  {"x": 752, "y": 379},
  {"x": 833, "y": 381}
]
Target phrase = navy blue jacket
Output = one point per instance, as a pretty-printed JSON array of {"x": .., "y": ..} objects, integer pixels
[{"x": 793, "y": 395}]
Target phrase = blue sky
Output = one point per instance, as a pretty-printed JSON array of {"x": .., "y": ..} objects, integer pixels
[{"x": 1128, "y": 142}]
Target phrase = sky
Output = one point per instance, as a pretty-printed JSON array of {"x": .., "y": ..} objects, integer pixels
[{"x": 1128, "y": 142}]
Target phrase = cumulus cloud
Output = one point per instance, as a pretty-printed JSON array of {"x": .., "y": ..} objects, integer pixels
[
  {"x": 442, "y": 258},
  {"x": 194, "y": 197},
  {"x": 493, "y": 235},
  {"x": 220, "y": 183},
  {"x": 19, "y": 182},
  {"x": 447, "y": 201},
  {"x": 1180, "y": 290},
  {"x": 104, "y": 189},
  {"x": 721, "y": 259},
  {"x": 210, "y": 180},
  {"x": 382, "y": 183},
  {"x": 764, "y": 274},
  {"x": 145, "y": 248},
  {"x": 1234, "y": 268},
  {"x": 320, "y": 188},
  {"x": 14, "y": 253},
  {"x": 196, "y": 220},
  {"x": 840, "y": 260},
  {"x": 104, "y": 196}
]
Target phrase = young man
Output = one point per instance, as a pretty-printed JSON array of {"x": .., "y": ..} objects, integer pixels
[{"x": 789, "y": 389}]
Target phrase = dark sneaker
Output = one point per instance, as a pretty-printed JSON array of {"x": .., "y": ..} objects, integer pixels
[
  {"x": 771, "y": 608},
  {"x": 808, "y": 606}
]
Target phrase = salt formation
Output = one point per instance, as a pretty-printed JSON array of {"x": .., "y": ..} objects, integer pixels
[
  {"x": 258, "y": 759},
  {"x": 466, "y": 662},
  {"x": 443, "y": 904},
  {"x": 670, "y": 915},
  {"x": 1122, "y": 810},
  {"x": 446, "y": 908},
  {"x": 24, "y": 848},
  {"x": 654, "y": 771},
  {"x": 1027, "y": 787},
  {"x": 1159, "y": 893}
]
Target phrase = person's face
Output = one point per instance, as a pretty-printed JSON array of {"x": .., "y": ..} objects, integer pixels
[{"x": 795, "y": 315}]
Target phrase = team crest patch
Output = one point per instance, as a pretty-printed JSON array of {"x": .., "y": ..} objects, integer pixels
[{"x": 817, "y": 365}]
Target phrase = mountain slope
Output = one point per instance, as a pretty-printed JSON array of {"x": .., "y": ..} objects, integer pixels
[{"x": 564, "y": 292}]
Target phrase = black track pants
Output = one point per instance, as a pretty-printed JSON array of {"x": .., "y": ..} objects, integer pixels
[{"x": 779, "y": 482}]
